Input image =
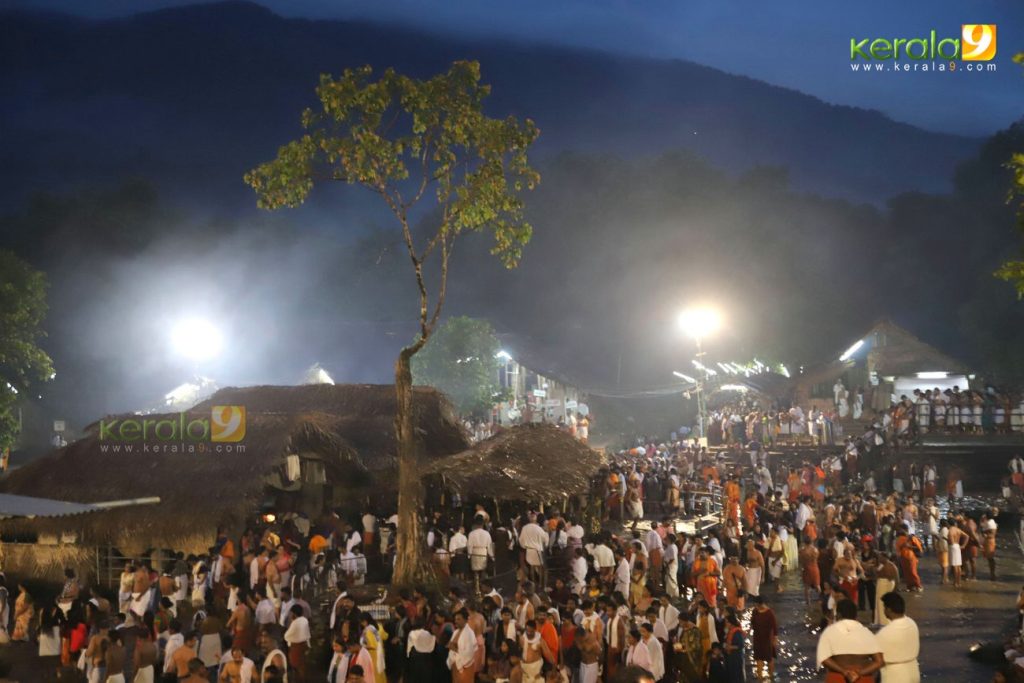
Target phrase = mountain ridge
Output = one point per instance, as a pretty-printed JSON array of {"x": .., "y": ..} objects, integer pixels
[{"x": 209, "y": 89}]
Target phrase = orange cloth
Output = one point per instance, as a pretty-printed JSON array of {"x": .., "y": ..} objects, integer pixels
[
  {"x": 549, "y": 634},
  {"x": 904, "y": 547},
  {"x": 708, "y": 584},
  {"x": 750, "y": 511},
  {"x": 732, "y": 491},
  {"x": 317, "y": 544},
  {"x": 832, "y": 677}
]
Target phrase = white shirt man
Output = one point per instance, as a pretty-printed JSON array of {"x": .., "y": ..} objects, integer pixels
[
  {"x": 369, "y": 523},
  {"x": 265, "y": 613},
  {"x": 457, "y": 542},
  {"x": 653, "y": 539},
  {"x": 603, "y": 556},
  {"x": 900, "y": 642},
  {"x": 534, "y": 540},
  {"x": 579, "y": 574},
  {"x": 668, "y": 614},
  {"x": 480, "y": 547},
  {"x": 622, "y": 577},
  {"x": 803, "y": 515},
  {"x": 298, "y": 631}
]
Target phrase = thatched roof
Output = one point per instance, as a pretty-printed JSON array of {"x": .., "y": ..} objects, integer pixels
[
  {"x": 895, "y": 351},
  {"x": 528, "y": 463},
  {"x": 350, "y": 427},
  {"x": 362, "y": 414}
]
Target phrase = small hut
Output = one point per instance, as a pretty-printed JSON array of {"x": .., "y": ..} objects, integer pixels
[
  {"x": 304, "y": 448},
  {"x": 533, "y": 463}
]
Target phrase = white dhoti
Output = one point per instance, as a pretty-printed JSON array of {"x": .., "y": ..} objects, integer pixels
[
  {"x": 210, "y": 649},
  {"x": 671, "y": 580},
  {"x": 589, "y": 672},
  {"x": 901, "y": 672},
  {"x": 775, "y": 568},
  {"x": 752, "y": 581},
  {"x": 955, "y": 557},
  {"x": 882, "y": 587},
  {"x": 140, "y": 602},
  {"x": 531, "y": 671},
  {"x": 144, "y": 675},
  {"x": 116, "y": 678},
  {"x": 534, "y": 559},
  {"x": 478, "y": 563}
]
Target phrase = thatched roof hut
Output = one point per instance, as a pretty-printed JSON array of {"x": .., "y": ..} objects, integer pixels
[
  {"x": 346, "y": 429},
  {"x": 534, "y": 463}
]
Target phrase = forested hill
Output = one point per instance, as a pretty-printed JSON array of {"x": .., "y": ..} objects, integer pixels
[{"x": 191, "y": 97}]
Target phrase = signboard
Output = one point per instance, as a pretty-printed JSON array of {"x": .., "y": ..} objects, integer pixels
[
  {"x": 570, "y": 404},
  {"x": 540, "y": 393},
  {"x": 58, "y": 425},
  {"x": 553, "y": 402}
]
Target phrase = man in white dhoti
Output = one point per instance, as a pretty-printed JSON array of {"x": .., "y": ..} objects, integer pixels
[
  {"x": 480, "y": 547},
  {"x": 534, "y": 541},
  {"x": 462, "y": 650},
  {"x": 900, "y": 643}
]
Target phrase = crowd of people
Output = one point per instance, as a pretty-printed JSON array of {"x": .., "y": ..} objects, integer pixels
[
  {"x": 548, "y": 596},
  {"x": 894, "y": 420}
]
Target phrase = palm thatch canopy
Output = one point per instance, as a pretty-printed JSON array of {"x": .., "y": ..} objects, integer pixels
[
  {"x": 532, "y": 463},
  {"x": 349, "y": 428}
]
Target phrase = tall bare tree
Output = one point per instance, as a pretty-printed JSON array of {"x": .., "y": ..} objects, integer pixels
[{"x": 427, "y": 149}]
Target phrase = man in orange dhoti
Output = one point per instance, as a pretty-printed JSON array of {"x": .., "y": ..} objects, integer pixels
[
  {"x": 908, "y": 548},
  {"x": 705, "y": 576}
]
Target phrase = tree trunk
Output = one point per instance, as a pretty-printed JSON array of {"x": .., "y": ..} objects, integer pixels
[{"x": 408, "y": 558}]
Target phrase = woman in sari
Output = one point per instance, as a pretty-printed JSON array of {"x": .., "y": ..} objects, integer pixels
[
  {"x": 689, "y": 651},
  {"x": 373, "y": 639},
  {"x": 24, "y": 610}
]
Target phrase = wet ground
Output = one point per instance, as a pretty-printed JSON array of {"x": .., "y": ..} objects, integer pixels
[{"x": 950, "y": 620}]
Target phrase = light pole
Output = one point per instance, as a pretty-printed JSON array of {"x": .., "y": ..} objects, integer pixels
[{"x": 699, "y": 322}]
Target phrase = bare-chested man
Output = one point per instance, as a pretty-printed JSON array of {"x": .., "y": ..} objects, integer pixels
[
  {"x": 590, "y": 653},
  {"x": 846, "y": 570},
  {"x": 755, "y": 569},
  {"x": 957, "y": 539},
  {"x": 809, "y": 571},
  {"x": 734, "y": 577}
]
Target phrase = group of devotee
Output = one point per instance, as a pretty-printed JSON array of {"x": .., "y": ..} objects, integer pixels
[{"x": 549, "y": 596}]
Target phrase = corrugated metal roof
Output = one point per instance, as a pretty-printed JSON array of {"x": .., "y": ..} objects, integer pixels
[{"x": 30, "y": 507}]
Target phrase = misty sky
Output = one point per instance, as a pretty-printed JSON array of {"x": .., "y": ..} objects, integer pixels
[{"x": 803, "y": 44}]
